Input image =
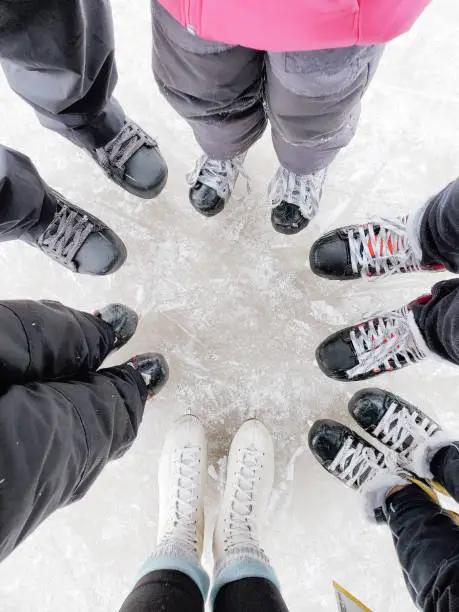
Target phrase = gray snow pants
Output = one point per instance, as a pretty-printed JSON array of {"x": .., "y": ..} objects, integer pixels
[
  {"x": 58, "y": 55},
  {"x": 227, "y": 94},
  {"x": 61, "y": 418}
]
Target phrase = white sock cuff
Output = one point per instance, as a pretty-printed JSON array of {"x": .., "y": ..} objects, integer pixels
[
  {"x": 375, "y": 491},
  {"x": 414, "y": 229},
  {"x": 241, "y": 553},
  {"x": 424, "y": 453}
]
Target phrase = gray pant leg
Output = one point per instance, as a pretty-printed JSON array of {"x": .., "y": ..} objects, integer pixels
[
  {"x": 313, "y": 101},
  {"x": 217, "y": 88},
  {"x": 24, "y": 204},
  {"x": 58, "y": 55}
]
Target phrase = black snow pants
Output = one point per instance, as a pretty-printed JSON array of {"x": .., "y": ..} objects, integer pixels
[
  {"x": 171, "y": 591},
  {"x": 427, "y": 538},
  {"x": 58, "y": 55},
  {"x": 61, "y": 419}
]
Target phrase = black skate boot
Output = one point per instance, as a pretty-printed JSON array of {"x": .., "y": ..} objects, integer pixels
[
  {"x": 77, "y": 240},
  {"x": 122, "y": 319},
  {"x": 133, "y": 161},
  {"x": 376, "y": 249},
  {"x": 360, "y": 466},
  {"x": 295, "y": 199},
  {"x": 153, "y": 369},
  {"x": 212, "y": 182},
  {"x": 383, "y": 343},
  {"x": 400, "y": 426}
]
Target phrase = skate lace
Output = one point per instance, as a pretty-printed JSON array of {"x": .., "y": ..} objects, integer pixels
[
  {"x": 241, "y": 519},
  {"x": 183, "y": 513},
  {"x": 402, "y": 430},
  {"x": 218, "y": 174},
  {"x": 302, "y": 190},
  {"x": 384, "y": 251},
  {"x": 115, "y": 154},
  {"x": 356, "y": 461},
  {"x": 66, "y": 233},
  {"x": 385, "y": 342}
]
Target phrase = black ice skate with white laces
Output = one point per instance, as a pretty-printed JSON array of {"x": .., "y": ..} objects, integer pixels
[
  {"x": 382, "y": 343},
  {"x": 154, "y": 370},
  {"x": 295, "y": 199},
  {"x": 122, "y": 319},
  {"x": 375, "y": 249},
  {"x": 356, "y": 463},
  {"x": 133, "y": 161},
  {"x": 77, "y": 240},
  {"x": 400, "y": 427},
  {"x": 212, "y": 182}
]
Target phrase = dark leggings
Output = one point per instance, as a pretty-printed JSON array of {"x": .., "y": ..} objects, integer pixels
[
  {"x": 426, "y": 538},
  {"x": 171, "y": 591}
]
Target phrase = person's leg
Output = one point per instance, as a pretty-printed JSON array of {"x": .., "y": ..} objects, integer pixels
[
  {"x": 250, "y": 595},
  {"x": 33, "y": 212},
  {"x": 59, "y": 57},
  {"x": 217, "y": 89},
  {"x": 313, "y": 103},
  {"x": 47, "y": 340},
  {"x": 164, "y": 591},
  {"x": 172, "y": 579},
  {"x": 57, "y": 437},
  {"x": 426, "y": 539}
]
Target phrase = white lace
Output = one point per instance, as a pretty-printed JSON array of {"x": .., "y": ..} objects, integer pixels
[
  {"x": 399, "y": 428},
  {"x": 391, "y": 249},
  {"x": 355, "y": 462},
  {"x": 387, "y": 341},
  {"x": 303, "y": 190},
  {"x": 218, "y": 174},
  {"x": 184, "y": 506},
  {"x": 241, "y": 520}
]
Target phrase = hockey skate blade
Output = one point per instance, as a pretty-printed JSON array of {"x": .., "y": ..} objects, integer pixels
[{"x": 347, "y": 602}]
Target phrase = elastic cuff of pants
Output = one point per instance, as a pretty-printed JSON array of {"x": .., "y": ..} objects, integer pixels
[
  {"x": 240, "y": 569},
  {"x": 179, "y": 564},
  {"x": 407, "y": 496}
]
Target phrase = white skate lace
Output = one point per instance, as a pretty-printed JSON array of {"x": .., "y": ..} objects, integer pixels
[
  {"x": 184, "y": 507},
  {"x": 115, "y": 154},
  {"x": 220, "y": 175},
  {"x": 386, "y": 251},
  {"x": 356, "y": 462},
  {"x": 303, "y": 190},
  {"x": 402, "y": 430},
  {"x": 241, "y": 520},
  {"x": 388, "y": 341},
  {"x": 66, "y": 233}
]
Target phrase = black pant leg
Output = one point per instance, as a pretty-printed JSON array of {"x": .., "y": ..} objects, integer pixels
[
  {"x": 445, "y": 468},
  {"x": 46, "y": 340},
  {"x": 55, "y": 439},
  {"x": 24, "y": 201},
  {"x": 59, "y": 56},
  {"x": 438, "y": 320},
  {"x": 427, "y": 543},
  {"x": 439, "y": 232},
  {"x": 164, "y": 591},
  {"x": 250, "y": 595}
]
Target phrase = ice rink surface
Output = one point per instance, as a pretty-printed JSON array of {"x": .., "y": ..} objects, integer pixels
[{"x": 237, "y": 311}]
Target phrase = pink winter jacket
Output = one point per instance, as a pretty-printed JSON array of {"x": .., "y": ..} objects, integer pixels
[{"x": 296, "y": 25}]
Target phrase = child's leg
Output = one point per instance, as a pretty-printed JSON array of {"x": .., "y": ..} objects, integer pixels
[
  {"x": 444, "y": 466},
  {"x": 427, "y": 544},
  {"x": 164, "y": 591},
  {"x": 217, "y": 88},
  {"x": 250, "y": 594},
  {"x": 313, "y": 100}
]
